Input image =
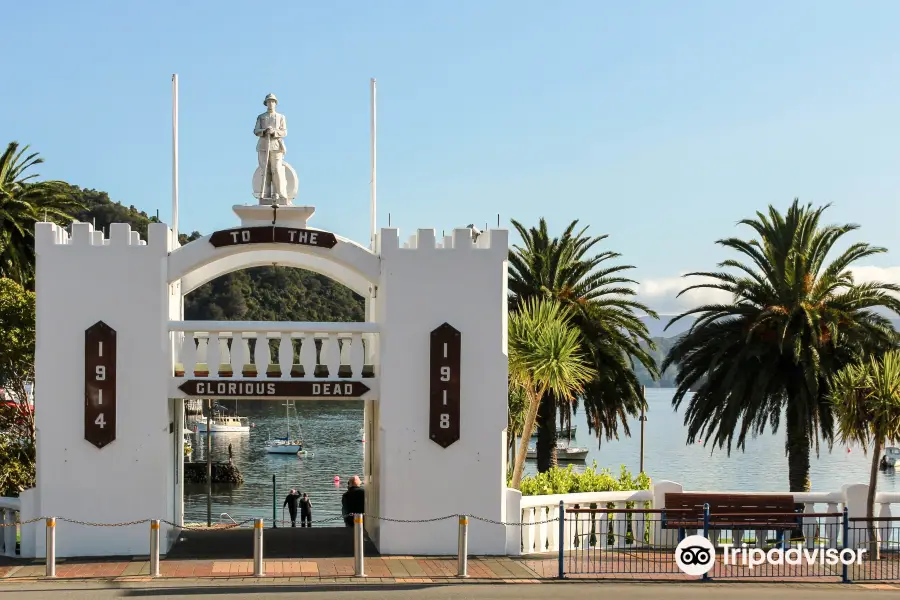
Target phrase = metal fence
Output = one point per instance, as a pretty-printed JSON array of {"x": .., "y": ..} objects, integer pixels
[{"x": 826, "y": 547}]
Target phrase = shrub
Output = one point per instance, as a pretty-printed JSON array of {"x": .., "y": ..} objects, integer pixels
[{"x": 566, "y": 481}]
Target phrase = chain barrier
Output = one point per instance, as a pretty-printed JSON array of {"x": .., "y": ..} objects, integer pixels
[
  {"x": 89, "y": 524},
  {"x": 14, "y": 523},
  {"x": 278, "y": 521}
]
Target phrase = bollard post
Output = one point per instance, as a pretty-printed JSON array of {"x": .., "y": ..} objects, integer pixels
[
  {"x": 258, "y": 565},
  {"x": 562, "y": 538},
  {"x": 358, "y": 541},
  {"x": 154, "y": 548},
  {"x": 51, "y": 547},
  {"x": 845, "y": 542},
  {"x": 462, "y": 567},
  {"x": 706, "y": 532}
]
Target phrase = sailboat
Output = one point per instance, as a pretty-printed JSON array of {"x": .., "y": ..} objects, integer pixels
[{"x": 286, "y": 445}]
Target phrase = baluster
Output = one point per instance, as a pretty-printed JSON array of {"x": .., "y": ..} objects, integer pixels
[
  {"x": 552, "y": 528},
  {"x": 286, "y": 355},
  {"x": 358, "y": 356},
  {"x": 344, "y": 343},
  {"x": 809, "y": 525},
  {"x": 188, "y": 354},
  {"x": 331, "y": 355},
  {"x": 832, "y": 526},
  {"x": 245, "y": 344},
  {"x": 263, "y": 356},
  {"x": 528, "y": 530},
  {"x": 202, "y": 346},
  {"x": 307, "y": 356},
  {"x": 237, "y": 354},
  {"x": 224, "y": 354},
  {"x": 638, "y": 526},
  {"x": 621, "y": 526},
  {"x": 604, "y": 523},
  {"x": 213, "y": 350},
  {"x": 884, "y": 532}
]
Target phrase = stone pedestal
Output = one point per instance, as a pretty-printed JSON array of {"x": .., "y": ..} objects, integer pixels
[{"x": 282, "y": 215}]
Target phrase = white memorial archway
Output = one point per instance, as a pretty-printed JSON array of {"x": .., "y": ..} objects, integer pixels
[{"x": 128, "y": 293}]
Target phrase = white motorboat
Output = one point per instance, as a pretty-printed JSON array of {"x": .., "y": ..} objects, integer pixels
[
  {"x": 224, "y": 420},
  {"x": 224, "y": 424},
  {"x": 564, "y": 452},
  {"x": 286, "y": 445},
  {"x": 891, "y": 456}
]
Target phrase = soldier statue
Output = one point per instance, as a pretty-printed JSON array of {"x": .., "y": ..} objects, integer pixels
[{"x": 271, "y": 128}]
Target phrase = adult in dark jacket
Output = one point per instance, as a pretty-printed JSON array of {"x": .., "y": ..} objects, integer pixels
[
  {"x": 353, "y": 501},
  {"x": 291, "y": 503},
  {"x": 305, "y": 511}
]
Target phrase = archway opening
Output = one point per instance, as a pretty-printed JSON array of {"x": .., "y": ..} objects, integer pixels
[{"x": 257, "y": 438}]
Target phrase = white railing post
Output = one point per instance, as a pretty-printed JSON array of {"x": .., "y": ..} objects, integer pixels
[
  {"x": 154, "y": 548},
  {"x": 50, "y": 570},
  {"x": 358, "y": 542},
  {"x": 9, "y": 532},
  {"x": 258, "y": 565},
  {"x": 462, "y": 567}
]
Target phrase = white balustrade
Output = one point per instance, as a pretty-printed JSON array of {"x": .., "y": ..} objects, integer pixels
[
  {"x": 818, "y": 531},
  {"x": 214, "y": 348}
]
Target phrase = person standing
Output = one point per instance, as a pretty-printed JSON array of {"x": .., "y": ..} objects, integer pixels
[
  {"x": 271, "y": 128},
  {"x": 305, "y": 511},
  {"x": 291, "y": 502},
  {"x": 353, "y": 502}
]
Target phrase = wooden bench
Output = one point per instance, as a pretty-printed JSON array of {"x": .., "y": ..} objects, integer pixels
[{"x": 735, "y": 512}]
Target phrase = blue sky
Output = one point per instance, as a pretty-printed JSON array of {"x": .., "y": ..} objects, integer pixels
[{"x": 659, "y": 123}]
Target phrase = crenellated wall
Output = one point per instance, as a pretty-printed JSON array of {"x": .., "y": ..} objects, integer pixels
[
  {"x": 424, "y": 284},
  {"x": 120, "y": 280}
]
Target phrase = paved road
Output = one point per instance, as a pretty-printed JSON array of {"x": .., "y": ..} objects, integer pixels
[{"x": 569, "y": 591}]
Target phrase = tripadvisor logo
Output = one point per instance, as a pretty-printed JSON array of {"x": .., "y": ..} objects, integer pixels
[{"x": 695, "y": 555}]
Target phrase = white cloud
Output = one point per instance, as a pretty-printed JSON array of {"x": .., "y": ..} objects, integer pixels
[{"x": 660, "y": 294}]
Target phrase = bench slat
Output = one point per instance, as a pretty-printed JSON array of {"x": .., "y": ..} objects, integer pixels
[{"x": 774, "y": 511}]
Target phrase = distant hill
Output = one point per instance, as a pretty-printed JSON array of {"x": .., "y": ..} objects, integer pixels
[{"x": 665, "y": 339}]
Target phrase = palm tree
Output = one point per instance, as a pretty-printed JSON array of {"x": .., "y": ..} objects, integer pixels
[
  {"x": 517, "y": 407},
  {"x": 795, "y": 319},
  {"x": 24, "y": 202},
  {"x": 610, "y": 332},
  {"x": 866, "y": 399},
  {"x": 544, "y": 355}
]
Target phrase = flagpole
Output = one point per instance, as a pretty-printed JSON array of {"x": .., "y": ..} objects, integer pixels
[
  {"x": 175, "y": 159},
  {"x": 373, "y": 181}
]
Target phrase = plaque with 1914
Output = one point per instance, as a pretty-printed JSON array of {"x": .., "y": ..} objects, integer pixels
[{"x": 100, "y": 384}]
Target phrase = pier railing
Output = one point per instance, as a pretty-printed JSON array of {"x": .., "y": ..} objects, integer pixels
[{"x": 280, "y": 350}]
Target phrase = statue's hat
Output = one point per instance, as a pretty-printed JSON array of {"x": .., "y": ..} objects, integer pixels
[{"x": 270, "y": 97}]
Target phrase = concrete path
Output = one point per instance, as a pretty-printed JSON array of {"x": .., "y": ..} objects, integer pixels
[
  {"x": 259, "y": 589},
  {"x": 392, "y": 570}
]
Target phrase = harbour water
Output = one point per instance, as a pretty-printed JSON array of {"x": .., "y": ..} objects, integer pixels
[{"x": 331, "y": 432}]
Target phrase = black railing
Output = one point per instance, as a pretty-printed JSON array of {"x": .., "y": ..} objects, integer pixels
[{"x": 820, "y": 546}]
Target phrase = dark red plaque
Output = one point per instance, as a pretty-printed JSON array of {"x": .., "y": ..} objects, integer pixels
[
  {"x": 445, "y": 398},
  {"x": 229, "y": 388},
  {"x": 272, "y": 235},
  {"x": 100, "y": 384}
]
